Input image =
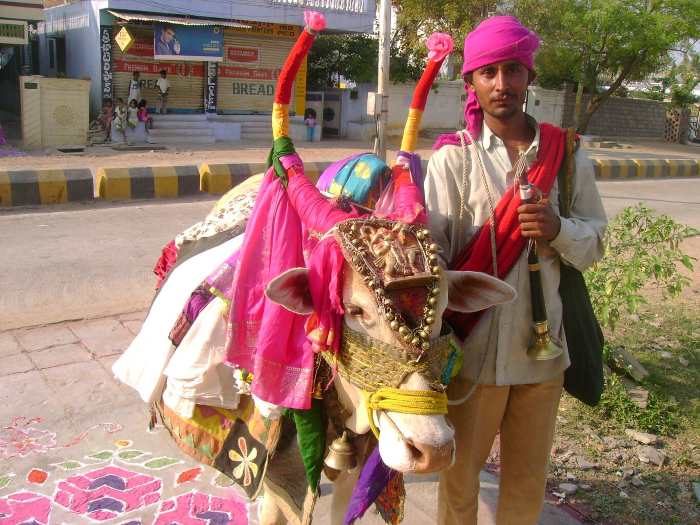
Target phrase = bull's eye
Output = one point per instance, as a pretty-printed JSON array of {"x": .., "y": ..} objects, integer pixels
[{"x": 353, "y": 310}]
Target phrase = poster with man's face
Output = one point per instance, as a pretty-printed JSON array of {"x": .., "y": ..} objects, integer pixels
[{"x": 180, "y": 42}]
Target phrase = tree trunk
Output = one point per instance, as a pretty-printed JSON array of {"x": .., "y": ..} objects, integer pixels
[
  {"x": 591, "y": 108},
  {"x": 597, "y": 100}
]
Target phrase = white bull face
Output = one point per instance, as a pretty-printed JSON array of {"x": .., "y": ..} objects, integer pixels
[{"x": 407, "y": 442}]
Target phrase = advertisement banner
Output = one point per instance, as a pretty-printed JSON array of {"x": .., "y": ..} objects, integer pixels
[{"x": 178, "y": 42}]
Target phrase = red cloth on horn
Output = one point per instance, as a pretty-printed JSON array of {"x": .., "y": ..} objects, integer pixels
[{"x": 510, "y": 243}]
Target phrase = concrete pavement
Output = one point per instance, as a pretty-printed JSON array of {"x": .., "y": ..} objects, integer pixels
[{"x": 74, "y": 447}]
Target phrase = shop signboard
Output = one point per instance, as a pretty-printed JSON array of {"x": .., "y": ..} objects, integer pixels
[
  {"x": 106, "y": 58},
  {"x": 210, "y": 88},
  {"x": 196, "y": 43}
]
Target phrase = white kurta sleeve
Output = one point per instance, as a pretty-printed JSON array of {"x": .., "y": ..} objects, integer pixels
[
  {"x": 580, "y": 239},
  {"x": 442, "y": 202}
]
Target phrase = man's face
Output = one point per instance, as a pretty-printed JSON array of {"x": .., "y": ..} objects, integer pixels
[
  {"x": 501, "y": 87},
  {"x": 167, "y": 35}
]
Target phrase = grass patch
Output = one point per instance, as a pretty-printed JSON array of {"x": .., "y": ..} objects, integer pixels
[{"x": 661, "y": 416}]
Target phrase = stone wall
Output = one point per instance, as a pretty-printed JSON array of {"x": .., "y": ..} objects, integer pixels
[{"x": 620, "y": 117}]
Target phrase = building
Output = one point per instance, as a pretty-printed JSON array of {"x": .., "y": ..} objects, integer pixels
[
  {"x": 18, "y": 48},
  {"x": 221, "y": 56}
]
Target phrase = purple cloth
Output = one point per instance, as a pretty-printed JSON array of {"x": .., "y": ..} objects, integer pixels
[
  {"x": 415, "y": 167},
  {"x": 374, "y": 478}
]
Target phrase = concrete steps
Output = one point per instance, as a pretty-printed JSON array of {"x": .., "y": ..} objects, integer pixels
[
  {"x": 198, "y": 128},
  {"x": 181, "y": 129}
]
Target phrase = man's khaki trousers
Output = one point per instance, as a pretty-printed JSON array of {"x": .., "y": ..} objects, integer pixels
[{"x": 525, "y": 415}]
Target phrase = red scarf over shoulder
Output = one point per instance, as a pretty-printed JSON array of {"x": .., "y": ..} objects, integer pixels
[{"x": 476, "y": 256}]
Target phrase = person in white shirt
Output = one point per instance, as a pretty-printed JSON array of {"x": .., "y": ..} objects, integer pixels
[
  {"x": 163, "y": 91},
  {"x": 468, "y": 186},
  {"x": 135, "y": 88}
]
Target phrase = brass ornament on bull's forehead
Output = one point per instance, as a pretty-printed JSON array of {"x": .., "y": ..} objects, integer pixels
[{"x": 399, "y": 264}]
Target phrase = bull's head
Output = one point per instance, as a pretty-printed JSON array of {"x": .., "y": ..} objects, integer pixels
[{"x": 393, "y": 295}]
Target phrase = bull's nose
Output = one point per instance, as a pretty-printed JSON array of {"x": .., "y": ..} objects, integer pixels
[{"x": 430, "y": 458}]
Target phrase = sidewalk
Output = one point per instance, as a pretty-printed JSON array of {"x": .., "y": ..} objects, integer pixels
[
  {"x": 74, "y": 447},
  {"x": 247, "y": 151}
]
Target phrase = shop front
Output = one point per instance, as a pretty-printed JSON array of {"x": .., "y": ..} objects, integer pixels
[
  {"x": 251, "y": 64},
  {"x": 214, "y": 66}
]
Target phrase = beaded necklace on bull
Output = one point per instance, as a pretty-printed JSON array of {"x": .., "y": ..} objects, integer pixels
[{"x": 379, "y": 253}]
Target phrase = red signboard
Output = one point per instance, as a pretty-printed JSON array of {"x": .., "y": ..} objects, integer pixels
[
  {"x": 243, "y": 54},
  {"x": 183, "y": 69},
  {"x": 248, "y": 73}
]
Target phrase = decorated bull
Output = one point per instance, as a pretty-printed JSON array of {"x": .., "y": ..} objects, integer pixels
[{"x": 291, "y": 328}]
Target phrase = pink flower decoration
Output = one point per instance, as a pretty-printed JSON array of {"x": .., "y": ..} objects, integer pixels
[
  {"x": 439, "y": 46},
  {"x": 314, "y": 21}
]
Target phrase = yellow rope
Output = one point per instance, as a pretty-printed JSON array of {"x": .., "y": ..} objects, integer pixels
[{"x": 419, "y": 402}]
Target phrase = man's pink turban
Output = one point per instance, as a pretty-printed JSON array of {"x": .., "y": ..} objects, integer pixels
[{"x": 496, "y": 39}]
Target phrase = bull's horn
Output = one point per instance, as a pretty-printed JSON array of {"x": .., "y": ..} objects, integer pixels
[
  {"x": 315, "y": 22},
  {"x": 439, "y": 46}
]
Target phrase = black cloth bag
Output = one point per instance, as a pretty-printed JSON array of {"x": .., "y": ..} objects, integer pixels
[{"x": 584, "y": 338}]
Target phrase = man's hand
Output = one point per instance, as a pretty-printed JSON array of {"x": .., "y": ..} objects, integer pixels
[{"x": 538, "y": 221}]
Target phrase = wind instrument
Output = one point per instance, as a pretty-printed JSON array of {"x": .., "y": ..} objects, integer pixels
[{"x": 542, "y": 347}]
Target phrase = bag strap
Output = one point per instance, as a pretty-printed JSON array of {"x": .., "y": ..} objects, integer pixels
[{"x": 565, "y": 177}]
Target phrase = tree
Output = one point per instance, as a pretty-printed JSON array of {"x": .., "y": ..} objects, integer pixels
[
  {"x": 354, "y": 57},
  {"x": 603, "y": 43}
]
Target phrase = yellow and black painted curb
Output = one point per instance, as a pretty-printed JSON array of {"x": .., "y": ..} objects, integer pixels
[
  {"x": 31, "y": 187},
  {"x": 217, "y": 179},
  {"x": 147, "y": 182},
  {"x": 618, "y": 169}
]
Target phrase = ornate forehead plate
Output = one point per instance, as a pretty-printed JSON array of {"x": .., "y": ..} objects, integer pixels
[{"x": 399, "y": 264}]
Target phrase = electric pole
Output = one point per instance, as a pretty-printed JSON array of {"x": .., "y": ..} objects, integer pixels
[{"x": 383, "y": 77}]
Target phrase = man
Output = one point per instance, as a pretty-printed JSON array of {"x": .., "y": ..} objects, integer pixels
[
  {"x": 163, "y": 91},
  {"x": 166, "y": 43},
  {"x": 135, "y": 87},
  {"x": 500, "y": 388}
]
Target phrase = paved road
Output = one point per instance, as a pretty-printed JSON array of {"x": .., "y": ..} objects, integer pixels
[{"x": 95, "y": 260}]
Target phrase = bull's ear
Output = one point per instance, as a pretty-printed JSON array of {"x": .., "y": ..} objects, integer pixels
[
  {"x": 474, "y": 291},
  {"x": 291, "y": 290}
]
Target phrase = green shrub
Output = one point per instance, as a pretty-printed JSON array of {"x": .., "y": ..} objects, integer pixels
[
  {"x": 661, "y": 415},
  {"x": 640, "y": 249}
]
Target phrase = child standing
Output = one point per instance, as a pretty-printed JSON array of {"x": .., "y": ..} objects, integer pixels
[
  {"x": 163, "y": 91},
  {"x": 135, "y": 87},
  {"x": 120, "y": 117},
  {"x": 132, "y": 114},
  {"x": 310, "y": 122},
  {"x": 143, "y": 115}
]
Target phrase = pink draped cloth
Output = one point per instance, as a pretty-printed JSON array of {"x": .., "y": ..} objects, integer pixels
[
  {"x": 264, "y": 337},
  {"x": 496, "y": 39}
]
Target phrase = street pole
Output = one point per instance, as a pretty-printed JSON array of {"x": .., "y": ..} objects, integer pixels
[{"x": 383, "y": 77}]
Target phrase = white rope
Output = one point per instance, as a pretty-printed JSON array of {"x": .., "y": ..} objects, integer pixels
[{"x": 520, "y": 165}]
